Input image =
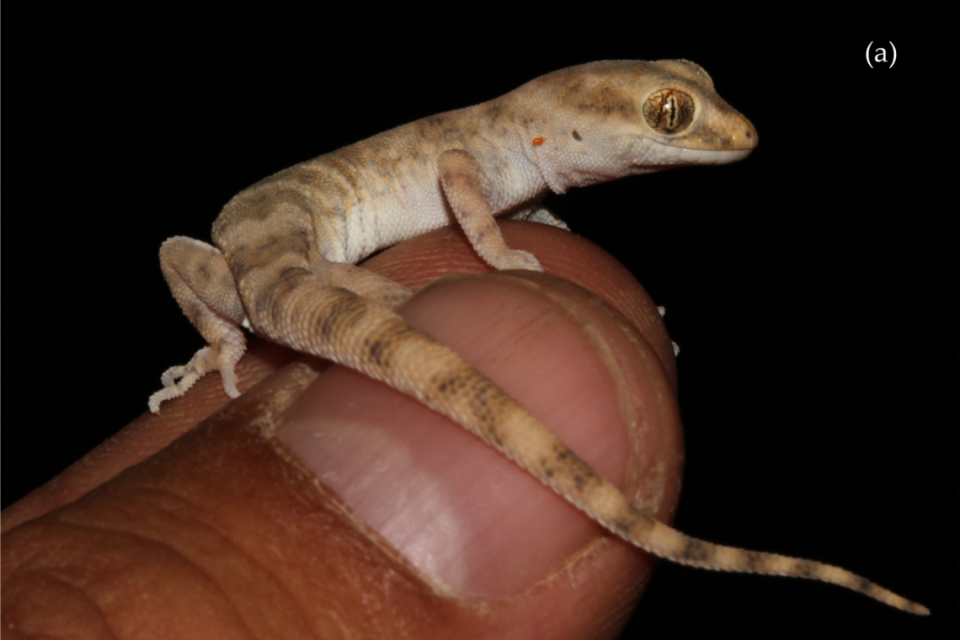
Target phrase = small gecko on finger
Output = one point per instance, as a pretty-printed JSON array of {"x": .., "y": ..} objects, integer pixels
[{"x": 283, "y": 254}]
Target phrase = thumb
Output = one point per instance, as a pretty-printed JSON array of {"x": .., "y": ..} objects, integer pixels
[{"x": 347, "y": 509}]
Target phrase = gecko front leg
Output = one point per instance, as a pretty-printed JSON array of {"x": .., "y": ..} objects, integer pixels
[{"x": 463, "y": 185}]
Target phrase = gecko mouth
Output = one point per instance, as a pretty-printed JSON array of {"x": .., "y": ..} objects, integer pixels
[{"x": 657, "y": 154}]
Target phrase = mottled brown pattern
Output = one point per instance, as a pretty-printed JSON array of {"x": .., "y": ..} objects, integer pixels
[
  {"x": 805, "y": 569},
  {"x": 347, "y": 306},
  {"x": 865, "y": 586},
  {"x": 203, "y": 273},
  {"x": 579, "y": 481},
  {"x": 347, "y": 169},
  {"x": 451, "y": 384},
  {"x": 482, "y": 403},
  {"x": 376, "y": 349},
  {"x": 605, "y": 99},
  {"x": 195, "y": 311},
  {"x": 492, "y": 111},
  {"x": 383, "y": 347},
  {"x": 270, "y": 250},
  {"x": 753, "y": 561},
  {"x": 266, "y": 305},
  {"x": 622, "y": 526},
  {"x": 696, "y": 552}
]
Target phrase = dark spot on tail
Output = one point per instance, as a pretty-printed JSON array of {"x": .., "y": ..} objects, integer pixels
[
  {"x": 450, "y": 385},
  {"x": 376, "y": 349},
  {"x": 349, "y": 305},
  {"x": 623, "y": 527},
  {"x": 805, "y": 569},
  {"x": 576, "y": 136},
  {"x": 695, "y": 551},
  {"x": 581, "y": 481}
]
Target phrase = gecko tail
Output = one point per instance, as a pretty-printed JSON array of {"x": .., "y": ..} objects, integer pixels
[
  {"x": 580, "y": 484},
  {"x": 318, "y": 317},
  {"x": 680, "y": 548}
]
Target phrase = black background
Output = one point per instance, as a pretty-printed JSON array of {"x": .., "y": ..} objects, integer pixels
[{"x": 812, "y": 288}]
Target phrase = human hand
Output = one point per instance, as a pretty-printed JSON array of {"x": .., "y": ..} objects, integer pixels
[{"x": 415, "y": 528}]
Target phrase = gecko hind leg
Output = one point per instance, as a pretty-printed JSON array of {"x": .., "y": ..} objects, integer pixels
[
  {"x": 364, "y": 283},
  {"x": 203, "y": 286}
]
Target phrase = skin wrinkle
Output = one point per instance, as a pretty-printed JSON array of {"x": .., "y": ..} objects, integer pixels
[
  {"x": 49, "y": 575},
  {"x": 175, "y": 551}
]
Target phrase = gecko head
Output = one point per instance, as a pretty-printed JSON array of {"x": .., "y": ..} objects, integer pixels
[
  {"x": 624, "y": 117},
  {"x": 681, "y": 109}
]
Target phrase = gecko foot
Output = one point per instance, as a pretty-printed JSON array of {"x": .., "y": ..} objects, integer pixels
[{"x": 206, "y": 360}]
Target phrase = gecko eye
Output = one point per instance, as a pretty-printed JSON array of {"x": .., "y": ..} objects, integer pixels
[{"x": 669, "y": 111}]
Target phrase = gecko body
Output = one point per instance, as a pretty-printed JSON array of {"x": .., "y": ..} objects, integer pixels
[{"x": 283, "y": 254}]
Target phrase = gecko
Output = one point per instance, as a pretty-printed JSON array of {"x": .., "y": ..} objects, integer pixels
[{"x": 284, "y": 253}]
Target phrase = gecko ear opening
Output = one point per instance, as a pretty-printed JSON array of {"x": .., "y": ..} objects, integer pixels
[{"x": 669, "y": 110}]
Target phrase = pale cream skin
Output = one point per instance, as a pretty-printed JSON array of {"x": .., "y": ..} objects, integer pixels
[{"x": 283, "y": 254}]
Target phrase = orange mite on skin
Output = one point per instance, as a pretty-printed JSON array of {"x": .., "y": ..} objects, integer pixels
[{"x": 537, "y": 142}]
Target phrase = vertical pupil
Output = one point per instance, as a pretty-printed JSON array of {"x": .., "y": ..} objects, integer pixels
[{"x": 671, "y": 112}]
